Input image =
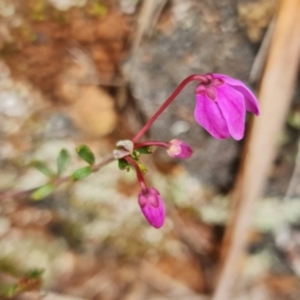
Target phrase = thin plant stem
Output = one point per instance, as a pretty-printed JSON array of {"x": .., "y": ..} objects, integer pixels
[
  {"x": 139, "y": 174},
  {"x": 151, "y": 143},
  {"x": 57, "y": 182},
  {"x": 167, "y": 103}
]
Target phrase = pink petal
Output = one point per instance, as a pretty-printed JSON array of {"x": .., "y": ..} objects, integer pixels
[
  {"x": 207, "y": 113},
  {"x": 250, "y": 99},
  {"x": 232, "y": 105}
]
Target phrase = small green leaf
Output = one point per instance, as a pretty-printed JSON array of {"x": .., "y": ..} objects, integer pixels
[
  {"x": 34, "y": 273},
  {"x": 81, "y": 173},
  {"x": 43, "y": 191},
  {"x": 43, "y": 167},
  {"x": 144, "y": 150},
  {"x": 62, "y": 161},
  {"x": 135, "y": 155},
  {"x": 86, "y": 154},
  {"x": 10, "y": 290},
  {"x": 123, "y": 164}
]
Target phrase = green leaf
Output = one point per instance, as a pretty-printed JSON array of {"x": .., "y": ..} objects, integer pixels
[
  {"x": 81, "y": 173},
  {"x": 86, "y": 154},
  {"x": 135, "y": 155},
  {"x": 34, "y": 273},
  {"x": 43, "y": 167},
  {"x": 123, "y": 164},
  {"x": 62, "y": 161},
  {"x": 10, "y": 290},
  {"x": 43, "y": 191},
  {"x": 144, "y": 150}
]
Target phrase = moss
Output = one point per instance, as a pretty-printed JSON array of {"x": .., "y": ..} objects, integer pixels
[
  {"x": 27, "y": 33},
  {"x": 60, "y": 16},
  {"x": 8, "y": 290},
  {"x": 40, "y": 10},
  {"x": 97, "y": 9},
  {"x": 9, "y": 266},
  {"x": 37, "y": 10}
]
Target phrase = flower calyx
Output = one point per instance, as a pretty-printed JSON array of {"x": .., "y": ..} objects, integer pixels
[{"x": 125, "y": 149}]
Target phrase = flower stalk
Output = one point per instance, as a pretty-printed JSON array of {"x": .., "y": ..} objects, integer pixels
[
  {"x": 179, "y": 88},
  {"x": 138, "y": 171},
  {"x": 151, "y": 143}
]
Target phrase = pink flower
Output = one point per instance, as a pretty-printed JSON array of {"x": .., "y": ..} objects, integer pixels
[
  {"x": 179, "y": 149},
  {"x": 221, "y": 104},
  {"x": 152, "y": 206}
]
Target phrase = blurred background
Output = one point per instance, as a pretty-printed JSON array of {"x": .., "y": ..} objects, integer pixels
[{"x": 92, "y": 72}]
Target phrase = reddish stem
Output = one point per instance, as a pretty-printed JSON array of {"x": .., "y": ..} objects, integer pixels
[
  {"x": 139, "y": 174},
  {"x": 151, "y": 143},
  {"x": 168, "y": 102}
]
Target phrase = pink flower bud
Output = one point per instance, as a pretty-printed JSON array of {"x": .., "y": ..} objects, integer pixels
[
  {"x": 179, "y": 149},
  {"x": 152, "y": 207}
]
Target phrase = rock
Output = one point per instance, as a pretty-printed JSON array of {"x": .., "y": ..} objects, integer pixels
[
  {"x": 89, "y": 106},
  {"x": 93, "y": 111},
  {"x": 207, "y": 39}
]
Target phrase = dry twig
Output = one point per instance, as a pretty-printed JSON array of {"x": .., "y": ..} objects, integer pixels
[{"x": 275, "y": 94}]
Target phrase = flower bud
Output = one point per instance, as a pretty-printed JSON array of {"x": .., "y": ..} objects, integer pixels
[
  {"x": 152, "y": 207},
  {"x": 179, "y": 149}
]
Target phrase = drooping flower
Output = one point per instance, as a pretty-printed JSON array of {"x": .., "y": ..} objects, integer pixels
[
  {"x": 152, "y": 206},
  {"x": 179, "y": 149},
  {"x": 221, "y": 104}
]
